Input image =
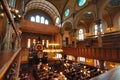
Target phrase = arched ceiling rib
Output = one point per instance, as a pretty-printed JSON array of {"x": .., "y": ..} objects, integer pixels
[{"x": 43, "y": 5}]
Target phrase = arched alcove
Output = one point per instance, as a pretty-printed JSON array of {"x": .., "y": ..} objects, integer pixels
[
  {"x": 68, "y": 33},
  {"x": 45, "y": 6},
  {"x": 80, "y": 14}
]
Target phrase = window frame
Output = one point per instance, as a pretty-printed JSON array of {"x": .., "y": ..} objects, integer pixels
[
  {"x": 39, "y": 19},
  {"x": 81, "y": 34}
]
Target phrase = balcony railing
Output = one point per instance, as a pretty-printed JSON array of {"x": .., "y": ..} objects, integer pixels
[{"x": 107, "y": 54}]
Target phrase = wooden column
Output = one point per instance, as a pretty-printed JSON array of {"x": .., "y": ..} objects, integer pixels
[{"x": 99, "y": 34}]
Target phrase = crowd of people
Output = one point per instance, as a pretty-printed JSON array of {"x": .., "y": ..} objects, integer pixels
[
  {"x": 60, "y": 69},
  {"x": 63, "y": 70}
]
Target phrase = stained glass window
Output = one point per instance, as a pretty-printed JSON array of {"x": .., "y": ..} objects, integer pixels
[
  {"x": 32, "y": 19},
  {"x": 46, "y": 22},
  {"x": 81, "y": 2},
  {"x": 57, "y": 20},
  {"x": 39, "y": 19},
  {"x": 67, "y": 12},
  {"x": 96, "y": 29},
  {"x": 42, "y": 19},
  {"x": 81, "y": 34}
]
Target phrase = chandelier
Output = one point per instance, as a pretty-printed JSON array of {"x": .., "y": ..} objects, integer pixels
[{"x": 53, "y": 47}]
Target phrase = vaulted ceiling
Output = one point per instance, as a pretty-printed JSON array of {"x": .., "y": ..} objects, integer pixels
[
  {"x": 59, "y": 4},
  {"x": 56, "y": 8}
]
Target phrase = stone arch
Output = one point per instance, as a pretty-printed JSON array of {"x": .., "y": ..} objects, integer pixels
[
  {"x": 80, "y": 14},
  {"x": 91, "y": 28},
  {"x": 81, "y": 25},
  {"x": 70, "y": 20},
  {"x": 67, "y": 26},
  {"x": 43, "y": 5},
  {"x": 116, "y": 21},
  {"x": 100, "y": 5},
  {"x": 107, "y": 19},
  {"x": 105, "y": 25}
]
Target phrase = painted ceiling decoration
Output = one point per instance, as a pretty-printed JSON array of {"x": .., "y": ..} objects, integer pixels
[{"x": 43, "y": 5}]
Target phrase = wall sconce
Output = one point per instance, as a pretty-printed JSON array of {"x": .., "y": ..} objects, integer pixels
[
  {"x": 2, "y": 14},
  {"x": 1, "y": 11}
]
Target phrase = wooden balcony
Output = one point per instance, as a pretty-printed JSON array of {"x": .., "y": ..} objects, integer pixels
[
  {"x": 107, "y": 54},
  {"x": 7, "y": 57}
]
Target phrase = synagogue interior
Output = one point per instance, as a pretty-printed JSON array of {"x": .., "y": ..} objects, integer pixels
[{"x": 59, "y": 39}]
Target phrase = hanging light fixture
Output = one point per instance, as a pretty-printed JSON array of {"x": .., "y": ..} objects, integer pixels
[{"x": 52, "y": 48}]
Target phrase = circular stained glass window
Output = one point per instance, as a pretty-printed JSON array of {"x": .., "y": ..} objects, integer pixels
[
  {"x": 81, "y": 2},
  {"x": 67, "y": 12}
]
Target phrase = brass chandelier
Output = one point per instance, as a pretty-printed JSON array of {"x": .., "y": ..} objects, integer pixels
[{"x": 52, "y": 48}]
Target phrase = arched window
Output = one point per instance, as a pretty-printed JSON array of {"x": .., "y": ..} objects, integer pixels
[
  {"x": 32, "y": 19},
  {"x": 46, "y": 22},
  {"x": 42, "y": 19},
  {"x": 81, "y": 34},
  {"x": 39, "y": 19},
  {"x": 57, "y": 20},
  {"x": 81, "y": 2},
  {"x": 96, "y": 29},
  {"x": 67, "y": 12}
]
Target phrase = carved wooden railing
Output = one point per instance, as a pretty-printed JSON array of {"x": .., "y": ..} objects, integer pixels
[
  {"x": 107, "y": 54},
  {"x": 6, "y": 59}
]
